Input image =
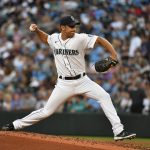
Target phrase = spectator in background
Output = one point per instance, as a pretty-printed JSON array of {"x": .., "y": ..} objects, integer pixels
[
  {"x": 42, "y": 98},
  {"x": 145, "y": 46},
  {"x": 137, "y": 95},
  {"x": 16, "y": 101},
  {"x": 146, "y": 106},
  {"x": 28, "y": 100},
  {"x": 135, "y": 42},
  {"x": 1, "y": 100},
  {"x": 10, "y": 75},
  {"x": 146, "y": 103},
  {"x": 93, "y": 105},
  {"x": 2, "y": 74},
  {"x": 125, "y": 102},
  {"x": 7, "y": 105},
  {"x": 76, "y": 105}
]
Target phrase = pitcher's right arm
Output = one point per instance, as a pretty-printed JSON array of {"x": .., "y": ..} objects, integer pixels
[{"x": 41, "y": 34}]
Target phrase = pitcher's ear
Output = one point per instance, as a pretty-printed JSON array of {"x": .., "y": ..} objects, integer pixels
[{"x": 61, "y": 27}]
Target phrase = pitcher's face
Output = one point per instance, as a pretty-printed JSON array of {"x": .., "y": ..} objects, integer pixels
[{"x": 69, "y": 31}]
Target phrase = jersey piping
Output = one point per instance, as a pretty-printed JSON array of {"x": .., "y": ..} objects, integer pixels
[{"x": 66, "y": 60}]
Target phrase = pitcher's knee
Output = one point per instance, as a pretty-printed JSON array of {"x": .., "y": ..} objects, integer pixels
[{"x": 47, "y": 113}]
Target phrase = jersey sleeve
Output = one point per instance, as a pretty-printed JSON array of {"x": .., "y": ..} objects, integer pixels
[
  {"x": 89, "y": 40},
  {"x": 49, "y": 39}
]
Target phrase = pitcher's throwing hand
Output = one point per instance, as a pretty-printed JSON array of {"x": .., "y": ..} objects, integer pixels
[{"x": 33, "y": 27}]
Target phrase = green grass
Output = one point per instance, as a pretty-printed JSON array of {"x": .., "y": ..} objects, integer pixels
[
  {"x": 109, "y": 138},
  {"x": 144, "y": 143},
  {"x": 94, "y": 138}
]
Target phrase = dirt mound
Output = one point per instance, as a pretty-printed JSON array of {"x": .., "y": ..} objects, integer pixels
[{"x": 33, "y": 141}]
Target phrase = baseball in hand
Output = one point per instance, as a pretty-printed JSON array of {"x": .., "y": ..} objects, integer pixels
[{"x": 32, "y": 27}]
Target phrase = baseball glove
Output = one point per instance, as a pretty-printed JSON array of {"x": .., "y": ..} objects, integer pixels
[{"x": 104, "y": 65}]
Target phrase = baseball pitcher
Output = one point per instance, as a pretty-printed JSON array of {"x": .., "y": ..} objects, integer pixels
[{"x": 69, "y": 50}]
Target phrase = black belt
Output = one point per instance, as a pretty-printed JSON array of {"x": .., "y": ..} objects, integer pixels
[{"x": 73, "y": 78}]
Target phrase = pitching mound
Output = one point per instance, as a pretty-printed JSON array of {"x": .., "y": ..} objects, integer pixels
[{"x": 33, "y": 141}]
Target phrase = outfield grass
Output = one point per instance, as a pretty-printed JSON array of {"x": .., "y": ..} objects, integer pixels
[
  {"x": 110, "y": 138},
  {"x": 142, "y": 142}
]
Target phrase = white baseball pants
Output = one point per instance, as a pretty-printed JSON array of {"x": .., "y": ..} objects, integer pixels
[{"x": 67, "y": 88}]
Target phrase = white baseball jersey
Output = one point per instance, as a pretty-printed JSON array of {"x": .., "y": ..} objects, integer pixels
[{"x": 69, "y": 54}]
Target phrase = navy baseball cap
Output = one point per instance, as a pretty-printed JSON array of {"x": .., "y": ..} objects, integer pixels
[{"x": 69, "y": 21}]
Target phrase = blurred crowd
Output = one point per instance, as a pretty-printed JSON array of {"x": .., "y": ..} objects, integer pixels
[{"x": 27, "y": 70}]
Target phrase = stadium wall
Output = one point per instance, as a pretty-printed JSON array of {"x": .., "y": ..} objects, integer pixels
[{"x": 83, "y": 124}]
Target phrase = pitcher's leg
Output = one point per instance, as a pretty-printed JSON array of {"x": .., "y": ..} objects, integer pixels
[
  {"x": 57, "y": 97},
  {"x": 98, "y": 93}
]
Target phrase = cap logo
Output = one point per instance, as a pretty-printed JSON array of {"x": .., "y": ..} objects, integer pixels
[{"x": 72, "y": 18}]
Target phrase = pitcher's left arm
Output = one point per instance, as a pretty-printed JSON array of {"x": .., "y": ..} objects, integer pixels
[{"x": 107, "y": 45}]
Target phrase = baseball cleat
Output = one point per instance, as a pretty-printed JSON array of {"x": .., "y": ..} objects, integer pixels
[
  {"x": 124, "y": 135},
  {"x": 8, "y": 127}
]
